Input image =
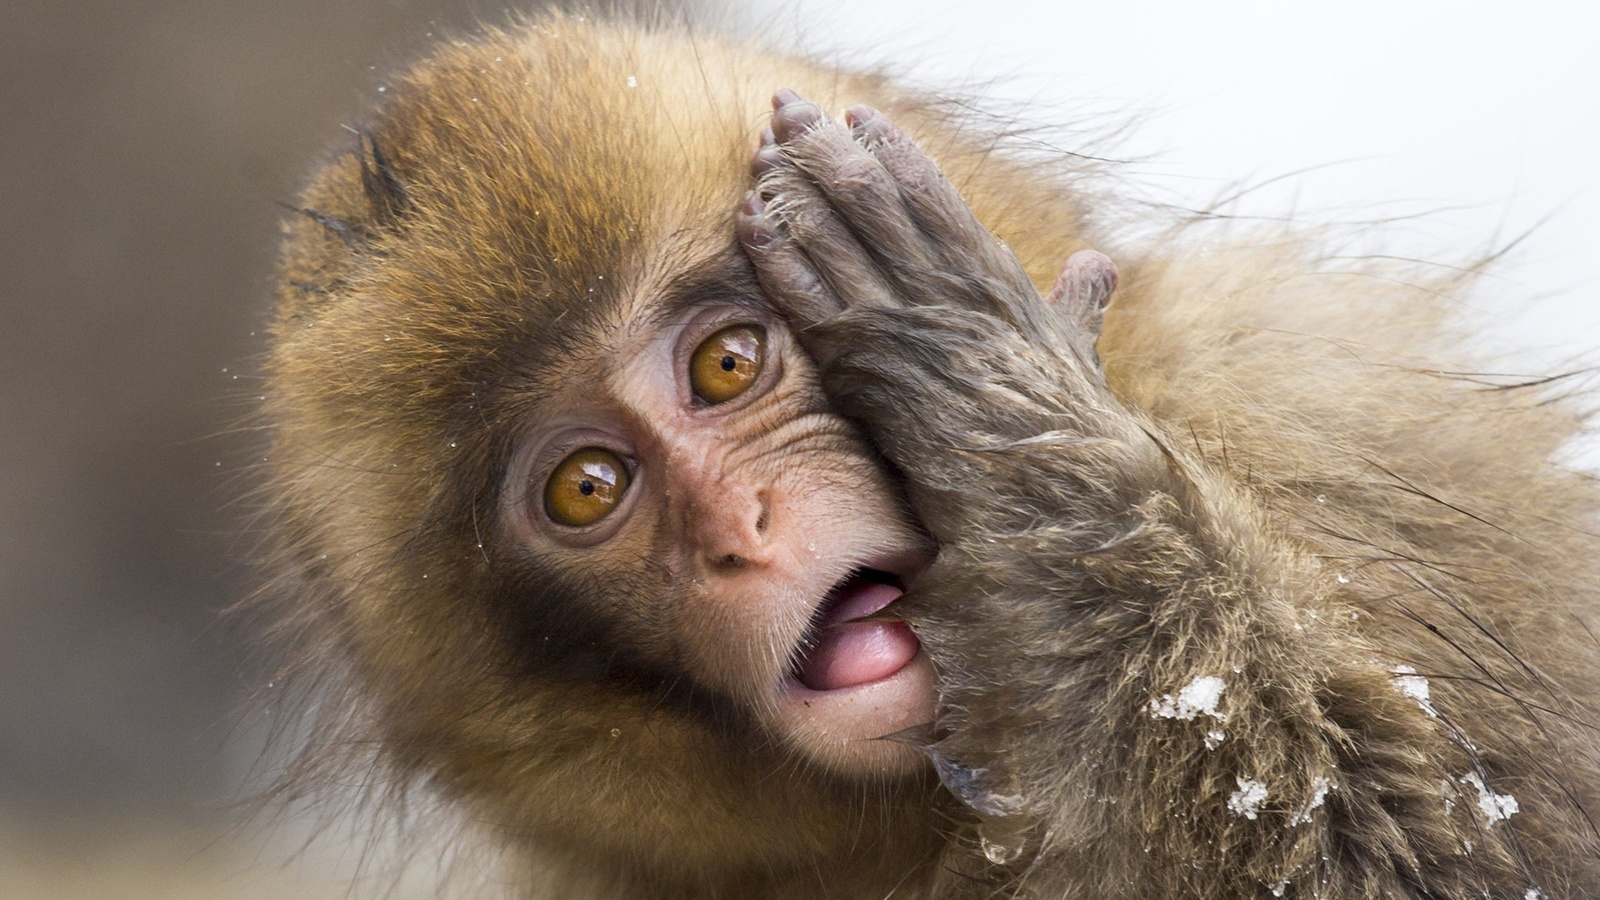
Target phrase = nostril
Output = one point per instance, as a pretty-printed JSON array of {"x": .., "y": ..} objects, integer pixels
[
  {"x": 732, "y": 531},
  {"x": 764, "y": 515}
]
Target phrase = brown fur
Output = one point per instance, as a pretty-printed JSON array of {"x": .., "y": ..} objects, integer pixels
[{"x": 1349, "y": 507}]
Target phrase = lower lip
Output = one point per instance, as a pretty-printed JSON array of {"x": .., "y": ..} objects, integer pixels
[{"x": 794, "y": 687}]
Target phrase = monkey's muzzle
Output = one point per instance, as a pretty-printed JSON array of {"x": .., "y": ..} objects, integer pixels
[{"x": 846, "y": 645}]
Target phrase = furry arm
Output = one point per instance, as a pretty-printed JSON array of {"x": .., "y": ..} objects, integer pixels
[{"x": 1132, "y": 697}]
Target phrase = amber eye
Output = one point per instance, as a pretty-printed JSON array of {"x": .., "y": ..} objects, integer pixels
[
  {"x": 585, "y": 487},
  {"x": 727, "y": 363}
]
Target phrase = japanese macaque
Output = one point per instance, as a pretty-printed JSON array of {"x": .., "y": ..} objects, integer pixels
[{"x": 711, "y": 501}]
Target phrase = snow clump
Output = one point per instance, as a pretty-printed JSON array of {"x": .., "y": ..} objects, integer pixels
[{"x": 1247, "y": 800}]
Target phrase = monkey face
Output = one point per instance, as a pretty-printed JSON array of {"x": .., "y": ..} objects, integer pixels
[
  {"x": 744, "y": 530},
  {"x": 559, "y": 502}
]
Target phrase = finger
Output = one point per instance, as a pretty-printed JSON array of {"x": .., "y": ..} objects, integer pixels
[
  {"x": 836, "y": 254},
  {"x": 939, "y": 210},
  {"x": 768, "y": 156},
  {"x": 1082, "y": 292},
  {"x": 1083, "y": 289},
  {"x": 859, "y": 189},
  {"x": 785, "y": 272}
]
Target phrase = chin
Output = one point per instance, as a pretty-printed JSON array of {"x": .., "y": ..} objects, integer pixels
[
  {"x": 858, "y": 675},
  {"x": 850, "y": 730}
]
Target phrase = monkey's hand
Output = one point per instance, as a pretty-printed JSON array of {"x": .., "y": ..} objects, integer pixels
[
  {"x": 930, "y": 333},
  {"x": 1125, "y": 681}
]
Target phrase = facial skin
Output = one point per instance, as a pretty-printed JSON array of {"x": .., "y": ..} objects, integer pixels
[{"x": 756, "y": 515}]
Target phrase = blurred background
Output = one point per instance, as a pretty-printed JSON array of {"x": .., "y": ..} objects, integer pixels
[{"x": 142, "y": 147}]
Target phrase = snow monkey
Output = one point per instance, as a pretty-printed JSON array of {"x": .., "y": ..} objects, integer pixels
[{"x": 709, "y": 494}]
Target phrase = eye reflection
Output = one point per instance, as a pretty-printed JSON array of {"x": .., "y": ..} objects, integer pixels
[
  {"x": 726, "y": 364},
  {"x": 585, "y": 487}
]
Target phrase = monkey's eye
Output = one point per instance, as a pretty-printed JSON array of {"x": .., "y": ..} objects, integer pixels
[
  {"x": 585, "y": 487},
  {"x": 727, "y": 363}
]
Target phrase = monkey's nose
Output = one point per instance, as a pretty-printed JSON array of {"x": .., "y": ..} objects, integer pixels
[{"x": 731, "y": 527}]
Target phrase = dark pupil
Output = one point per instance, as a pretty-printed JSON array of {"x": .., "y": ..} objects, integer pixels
[
  {"x": 728, "y": 364},
  {"x": 586, "y": 487}
]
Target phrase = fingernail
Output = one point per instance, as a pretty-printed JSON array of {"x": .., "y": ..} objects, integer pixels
[
  {"x": 768, "y": 139},
  {"x": 761, "y": 234},
  {"x": 752, "y": 205},
  {"x": 766, "y": 159},
  {"x": 791, "y": 117},
  {"x": 859, "y": 115}
]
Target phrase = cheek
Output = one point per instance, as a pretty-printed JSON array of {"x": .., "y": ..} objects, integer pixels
[
  {"x": 850, "y": 503},
  {"x": 738, "y": 637}
]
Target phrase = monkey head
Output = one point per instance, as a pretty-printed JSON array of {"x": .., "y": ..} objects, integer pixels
[{"x": 556, "y": 495}]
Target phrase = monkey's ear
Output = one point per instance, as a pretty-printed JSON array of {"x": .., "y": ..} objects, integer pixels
[
  {"x": 1081, "y": 294},
  {"x": 378, "y": 180}
]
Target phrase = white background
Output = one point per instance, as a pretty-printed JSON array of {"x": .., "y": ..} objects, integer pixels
[{"x": 1483, "y": 116}]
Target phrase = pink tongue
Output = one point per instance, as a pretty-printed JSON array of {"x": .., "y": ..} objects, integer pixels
[{"x": 851, "y": 653}]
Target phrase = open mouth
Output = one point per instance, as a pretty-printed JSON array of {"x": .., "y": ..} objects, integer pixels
[{"x": 846, "y": 647}]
